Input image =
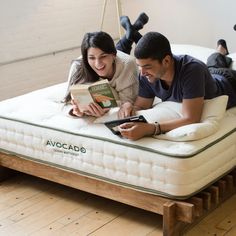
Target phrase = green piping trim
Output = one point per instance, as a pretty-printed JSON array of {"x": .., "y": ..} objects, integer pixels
[
  {"x": 146, "y": 190},
  {"x": 126, "y": 144}
]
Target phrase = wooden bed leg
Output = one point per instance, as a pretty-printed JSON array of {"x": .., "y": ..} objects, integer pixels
[
  {"x": 5, "y": 173},
  {"x": 171, "y": 226},
  {"x": 169, "y": 219}
]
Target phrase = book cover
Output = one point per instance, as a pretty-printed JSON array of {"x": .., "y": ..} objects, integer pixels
[{"x": 99, "y": 92}]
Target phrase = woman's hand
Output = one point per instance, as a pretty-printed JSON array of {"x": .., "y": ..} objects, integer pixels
[
  {"x": 93, "y": 109},
  {"x": 75, "y": 109}
]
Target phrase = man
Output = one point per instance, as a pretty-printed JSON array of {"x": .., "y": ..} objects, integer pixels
[{"x": 181, "y": 79}]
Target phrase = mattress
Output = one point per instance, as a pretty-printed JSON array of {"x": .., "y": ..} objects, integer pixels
[{"x": 36, "y": 126}]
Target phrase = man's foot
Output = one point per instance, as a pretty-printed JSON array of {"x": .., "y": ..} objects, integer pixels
[
  {"x": 125, "y": 22},
  {"x": 131, "y": 33},
  {"x": 141, "y": 21},
  {"x": 222, "y": 47}
]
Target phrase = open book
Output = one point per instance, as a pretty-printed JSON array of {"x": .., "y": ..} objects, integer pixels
[{"x": 99, "y": 92}]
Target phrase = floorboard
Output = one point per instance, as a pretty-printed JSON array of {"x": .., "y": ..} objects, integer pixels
[{"x": 32, "y": 206}]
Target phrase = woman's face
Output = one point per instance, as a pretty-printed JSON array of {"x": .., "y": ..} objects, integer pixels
[{"x": 101, "y": 62}]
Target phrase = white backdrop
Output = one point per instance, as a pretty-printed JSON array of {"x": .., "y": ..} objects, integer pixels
[
  {"x": 200, "y": 22},
  {"x": 36, "y": 27}
]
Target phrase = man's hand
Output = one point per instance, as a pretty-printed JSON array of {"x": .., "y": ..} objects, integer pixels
[
  {"x": 136, "y": 130},
  {"x": 126, "y": 110}
]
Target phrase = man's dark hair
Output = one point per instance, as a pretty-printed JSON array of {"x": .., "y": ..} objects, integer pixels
[{"x": 153, "y": 45}]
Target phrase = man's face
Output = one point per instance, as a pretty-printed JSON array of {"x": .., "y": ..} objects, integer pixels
[{"x": 152, "y": 69}]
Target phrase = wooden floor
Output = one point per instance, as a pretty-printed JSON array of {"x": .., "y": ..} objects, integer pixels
[{"x": 32, "y": 206}]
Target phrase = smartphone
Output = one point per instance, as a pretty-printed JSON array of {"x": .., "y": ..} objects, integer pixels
[{"x": 113, "y": 125}]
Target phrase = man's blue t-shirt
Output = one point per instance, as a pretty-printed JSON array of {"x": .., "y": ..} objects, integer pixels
[{"x": 192, "y": 79}]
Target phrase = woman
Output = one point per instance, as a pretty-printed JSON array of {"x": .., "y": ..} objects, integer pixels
[{"x": 101, "y": 60}]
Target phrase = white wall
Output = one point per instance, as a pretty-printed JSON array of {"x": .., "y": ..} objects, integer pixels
[
  {"x": 35, "y": 27},
  {"x": 39, "y": 39},
  {"x": 200, "y": 22}
]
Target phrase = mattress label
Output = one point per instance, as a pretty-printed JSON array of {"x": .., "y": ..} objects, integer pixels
[{"x": 65, "y": 147}]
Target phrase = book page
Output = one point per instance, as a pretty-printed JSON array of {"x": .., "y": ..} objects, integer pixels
[
  {"x": 99, "y": 92},
  {"x": 103, "y": 95},
  {"x": 81, "y": 95}
]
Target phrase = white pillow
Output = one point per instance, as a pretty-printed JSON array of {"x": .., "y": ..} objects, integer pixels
[
  {"x": 214, "y": 108},
  {"x": 161, "y": 111},
  {"x": 213, "y": 111}
]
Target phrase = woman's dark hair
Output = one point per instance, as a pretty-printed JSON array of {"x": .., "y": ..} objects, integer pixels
[
  {"x": 84, "y": 72},
  {"x": 153, "y": 45}
]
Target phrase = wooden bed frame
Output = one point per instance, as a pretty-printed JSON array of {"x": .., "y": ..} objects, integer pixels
[{"x": 177, "y": 214}]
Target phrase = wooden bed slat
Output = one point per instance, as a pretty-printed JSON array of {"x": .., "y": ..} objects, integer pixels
[
  {"x": 206, "y": 197},
  {"x": 214, "y": 191},
  {"x": 198, "y": 203},
  {"x": 222, "y": 187},
  {"x": 229, "y": 182}
]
